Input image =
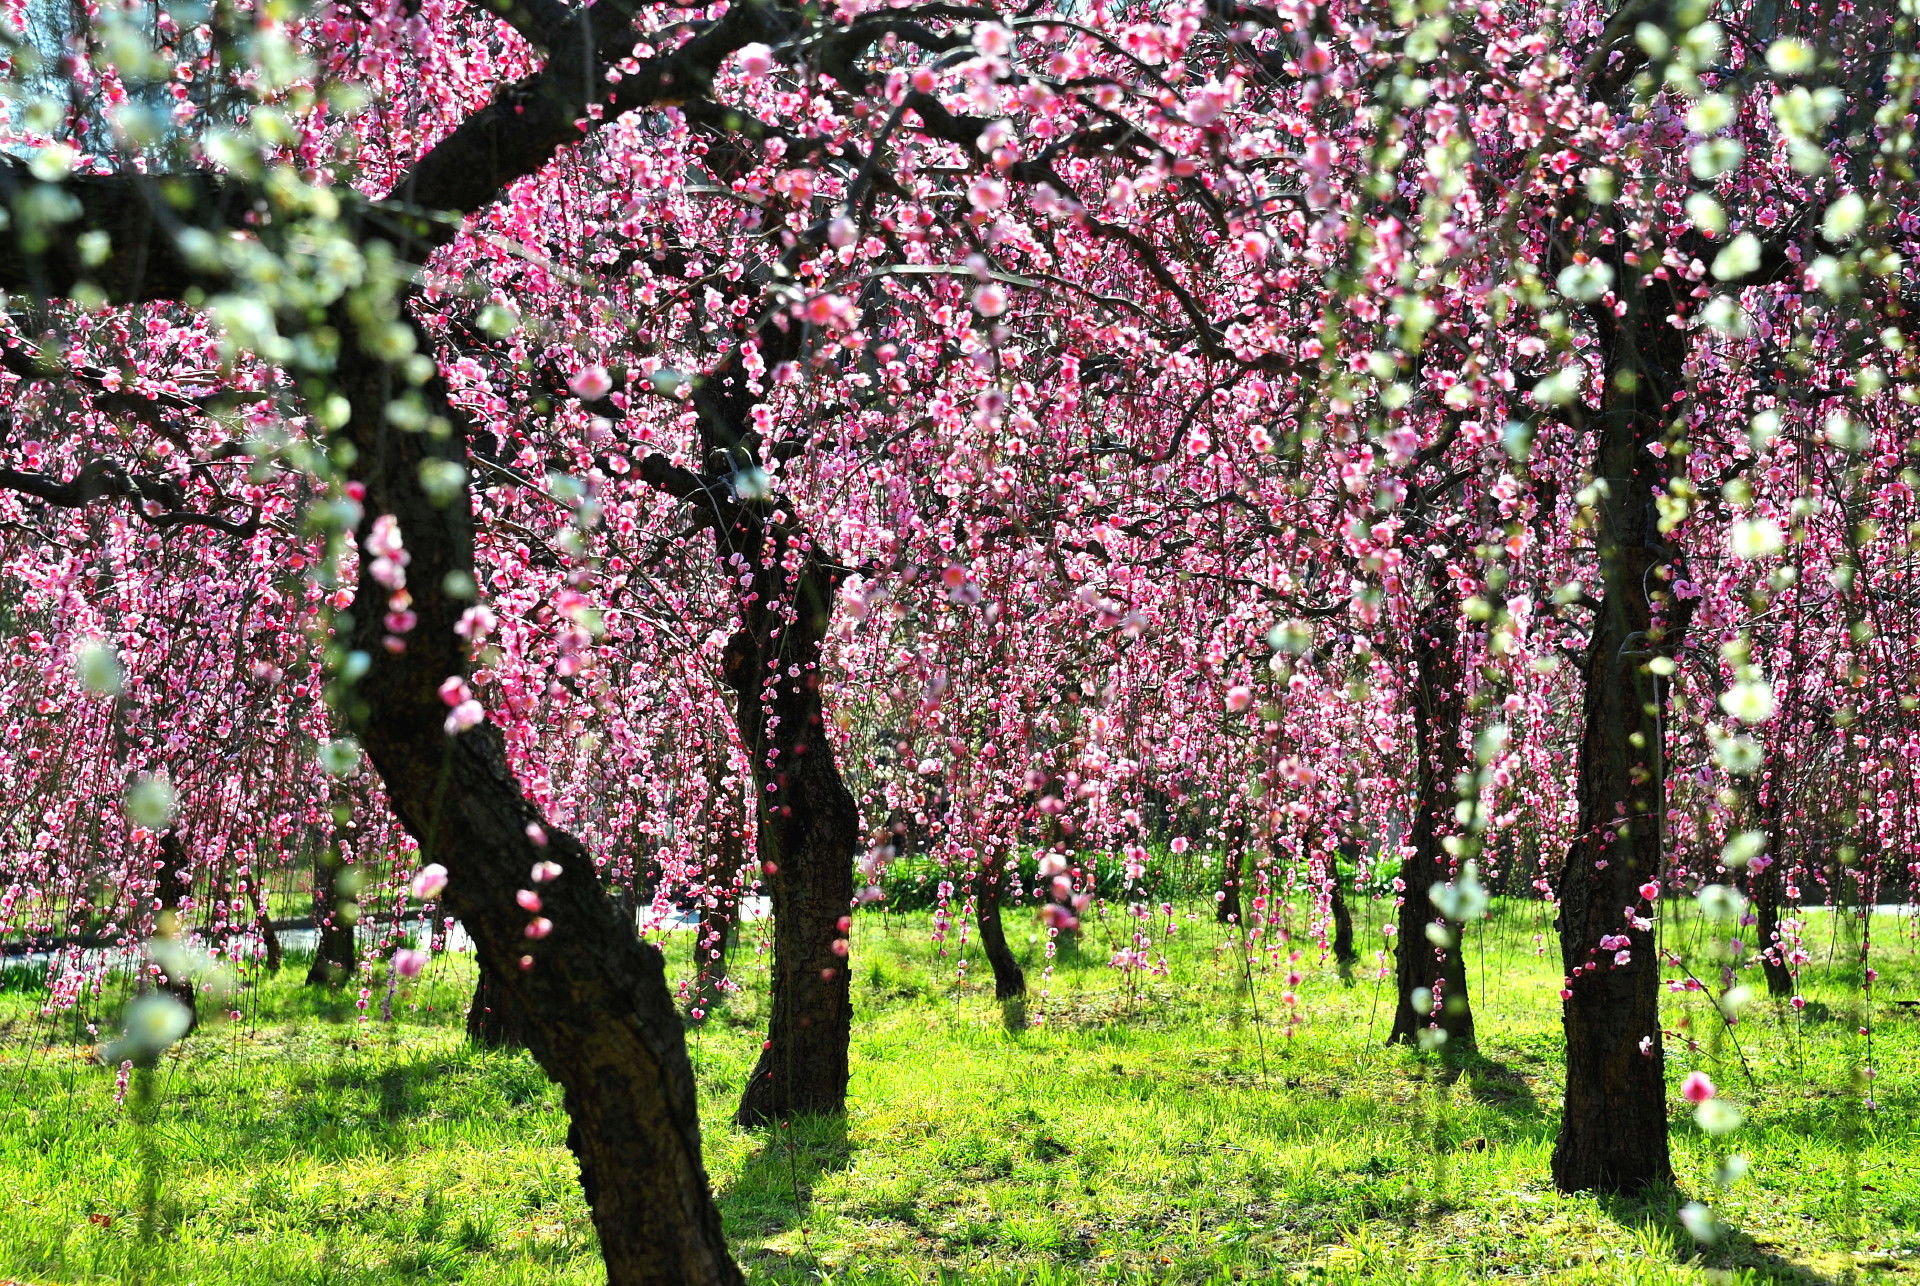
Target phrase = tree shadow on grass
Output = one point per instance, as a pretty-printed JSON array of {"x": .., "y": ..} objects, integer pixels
[
  {"x": 1655, "y": 1215},
  {"x": 1494, "y": 1084},
  {"x": 774, "y": 1188}
]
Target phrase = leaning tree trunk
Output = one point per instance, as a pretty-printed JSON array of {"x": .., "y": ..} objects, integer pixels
[
  {"x": 1613, "y": 1127},
  {"x": 335, "y": 953},
  {"x": 597, "y": 1012},
  {"x": 1009, "y": 980},
  {"x": 1428, "y": 955},
  {"x": 809, "y": 825}
]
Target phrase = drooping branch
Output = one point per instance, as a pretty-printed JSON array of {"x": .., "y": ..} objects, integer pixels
[{"x": 156, "y": 501}]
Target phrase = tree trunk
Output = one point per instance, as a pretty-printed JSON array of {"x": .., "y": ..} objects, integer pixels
[
  {"x": 712, "y": 940},
  {"x": 1009, "y": 981},
  {"x": 719, "y": 897},
  {"x": 1765, "y": 890},
  {"x": 1422, "y": 963},
  {"x": 1765, "y": 887},
  {"x": 1233, "y": 865},
  {"x": 597, "y": 1013},
  {"x": 1343, "y": 953},
  {"x": 809, "y": 828},
  {"x": 263, "y": 924},
  {"x": 807, "y": 824},
  {"x": 173, "y": 886},
  {"x": 1613, "y": 1128},
  {"x": 335, "y": 953},
  {"x": 492, "y": 1020}
]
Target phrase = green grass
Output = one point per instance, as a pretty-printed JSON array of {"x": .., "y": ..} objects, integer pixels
[{"x": 1147, "y": 1129}]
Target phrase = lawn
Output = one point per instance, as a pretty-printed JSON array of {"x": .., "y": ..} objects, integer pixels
[{"x": 1188, "y": 1127}]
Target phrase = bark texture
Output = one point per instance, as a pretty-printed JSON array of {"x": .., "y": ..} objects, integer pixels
[
  {"x": 807, "y": 824},
  {"x": 263, "y": 925}
]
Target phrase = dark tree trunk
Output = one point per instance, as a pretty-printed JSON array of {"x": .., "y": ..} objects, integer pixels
[
  {"x": 809, "y": 828},
  {"x": 1009, "y": 981},
  {"x": 335, "y": 953},
  {"x": 173, "y": 886},
  {"x": 1420, "y": 962},
  {"x": 263, "y": 925},
  {"x": 1765, "y": 888},
  {"x": 1765, "y": 891},
  {"x": 712, "y": 942},
  {"x": 1343, "y": 953},
  {"x": 594, "y": 1002},
  {"x": 1613, "y": 1128},
  {"x": 1233, "y": 866},
  {"x": 492, "y": 1020},
  {"x": 720, "y": 897}
]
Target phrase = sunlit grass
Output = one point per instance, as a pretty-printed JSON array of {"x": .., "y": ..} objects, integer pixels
[{"x": 1145, "y": 1128}]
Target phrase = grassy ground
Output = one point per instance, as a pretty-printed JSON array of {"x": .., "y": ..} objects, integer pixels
[{"x": 1147, "y": 1129}]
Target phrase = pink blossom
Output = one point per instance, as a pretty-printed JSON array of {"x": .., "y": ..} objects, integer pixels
[
  {"x": 476, "y": 623},
  {"x": 591, "y": 382},
  {"x": 467, "y": 714},
  {"x": 539, "y": 927},
  {"x": 430, "y": 882},
  {"x": 829, "y": 310},
  {"x": 546, "y": 872},
  {"x": 408, "y": 963},
  {"x": 756, "y": 60},
  {"x": 1696, "y": 1088},
  {"x": 528, "y": 900},
  {"x": 1239, "y": 698}
]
